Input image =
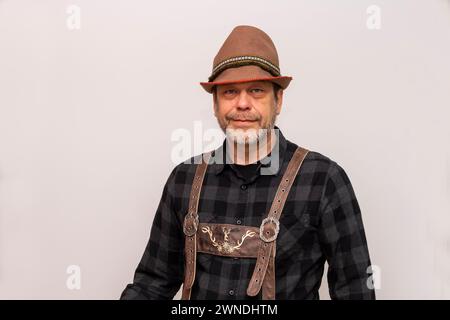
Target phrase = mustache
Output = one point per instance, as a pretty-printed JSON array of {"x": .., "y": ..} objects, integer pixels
[{"x": 242, "y": 116}]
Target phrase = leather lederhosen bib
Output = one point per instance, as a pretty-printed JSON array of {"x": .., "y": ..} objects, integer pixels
[{"x": 238, "y": 240}]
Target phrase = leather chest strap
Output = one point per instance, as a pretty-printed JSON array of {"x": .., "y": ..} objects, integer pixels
[
  {"x": 269, "y": 230},
  {"x": 190, "y": 226}
]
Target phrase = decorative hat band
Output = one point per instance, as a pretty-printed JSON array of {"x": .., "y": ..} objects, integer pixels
[{"x": 245, "y": 60}]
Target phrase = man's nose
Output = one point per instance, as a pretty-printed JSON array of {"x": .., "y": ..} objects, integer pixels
[{"x": 243, "y": 102}]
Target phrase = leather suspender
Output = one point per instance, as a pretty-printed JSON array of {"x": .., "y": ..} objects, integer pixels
[
  {"x": 270, "y": 227},
  {"x": 264, "y": 272},
  {"x": 190, "y": 226}
]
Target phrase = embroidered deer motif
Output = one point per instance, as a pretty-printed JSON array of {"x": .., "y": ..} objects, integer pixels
[{"x": 226, "y": 246}]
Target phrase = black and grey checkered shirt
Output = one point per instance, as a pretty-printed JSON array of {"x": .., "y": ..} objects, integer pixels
[{"x": 321, "y": 221}]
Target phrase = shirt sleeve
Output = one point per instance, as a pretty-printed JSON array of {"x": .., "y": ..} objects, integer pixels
[
  {"x": 343, "y": 239},
  {"x": 159, "y": 274}
]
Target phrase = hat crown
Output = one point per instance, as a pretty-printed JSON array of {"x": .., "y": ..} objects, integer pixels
[
  {"x": 247, "y": 54},
  {"x": 247, "y": 41}
]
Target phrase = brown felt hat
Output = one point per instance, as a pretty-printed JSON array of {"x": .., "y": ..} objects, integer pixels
[{"x": 248, "y": 54}]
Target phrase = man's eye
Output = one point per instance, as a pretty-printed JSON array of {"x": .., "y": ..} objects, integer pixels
[
  {"x": 257, "y": 90},
  {"x": 230, "y": 91}
]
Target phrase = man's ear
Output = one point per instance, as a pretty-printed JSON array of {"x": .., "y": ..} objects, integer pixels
[{"x": 279, "y": 101}]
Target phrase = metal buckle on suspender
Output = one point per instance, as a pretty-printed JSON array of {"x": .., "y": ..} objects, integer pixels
[
  {"x": 190, "y": 224},
  {"x": 275, "y": 232}
]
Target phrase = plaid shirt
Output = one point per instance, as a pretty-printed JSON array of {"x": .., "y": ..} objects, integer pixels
[{"x": 321, "y": 221}]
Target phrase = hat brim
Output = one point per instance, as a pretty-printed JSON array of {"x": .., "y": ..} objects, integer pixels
[{"x": 282, "y": 81}]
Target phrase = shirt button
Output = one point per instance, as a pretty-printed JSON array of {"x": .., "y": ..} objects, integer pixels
[
  {"x": 243, "y": 187},
  {"x": 238, "y": 221},
  {"x": 231, "y": 292}
]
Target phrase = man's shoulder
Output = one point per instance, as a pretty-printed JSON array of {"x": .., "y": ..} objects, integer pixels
[
  {"x": 314, "y": 160},
  {"x": 330, "y": 170},
  {"x": 319, "y": 169},
  {"x": 184, "y": 171}
]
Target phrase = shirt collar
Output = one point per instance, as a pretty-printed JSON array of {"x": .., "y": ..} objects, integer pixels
[{"x": 271, "y": 164}]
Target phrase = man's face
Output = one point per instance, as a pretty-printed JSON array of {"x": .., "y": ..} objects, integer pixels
[{"x": 247, "y": 107}]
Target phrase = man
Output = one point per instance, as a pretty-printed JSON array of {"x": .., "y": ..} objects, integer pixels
[{"x": 258, "y": 217}]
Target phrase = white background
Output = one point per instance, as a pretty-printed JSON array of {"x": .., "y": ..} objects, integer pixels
[{"x": 86, "y": 118}]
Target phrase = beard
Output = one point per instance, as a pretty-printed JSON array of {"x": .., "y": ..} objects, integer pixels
[{"x": 248, "y": 136}]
